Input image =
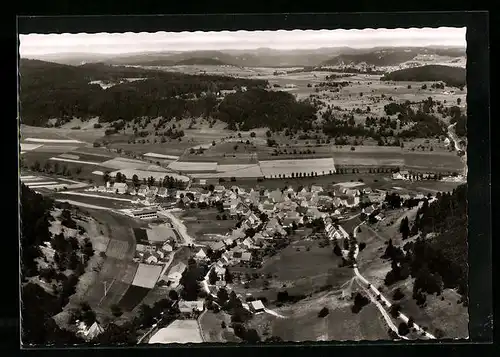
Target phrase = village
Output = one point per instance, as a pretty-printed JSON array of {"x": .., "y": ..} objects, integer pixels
[{"x": 262, "y": 218}]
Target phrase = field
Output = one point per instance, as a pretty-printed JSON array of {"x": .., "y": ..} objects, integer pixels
[
  {"x": 83, "y": 135},
  {"x": 174, "y": 148},
  {"x": 179, "y": 331},
  {"x": 147, "y": 275},
  {"x": 374, "y": 181},
  {"x": 96, "y": 201},
  {"x": 192, "y": 166},
  {"x": 140, "y": 235},
  {"x": 117, "y": 270},
  {"x": 305, "y": 271},
  {"x": 133, "y": 297},
  {"x": 160, "y": 233},
  {"x": 201, "y": 223},
  {"x": 287, "y": 167}
]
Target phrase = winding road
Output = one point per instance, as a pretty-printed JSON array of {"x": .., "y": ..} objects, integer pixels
[
  {"x": 453, "y": 136},
  {"x": 386, "y": 302}
]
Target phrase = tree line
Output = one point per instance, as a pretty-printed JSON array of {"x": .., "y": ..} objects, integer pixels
[{"x": 39, "y": 305}]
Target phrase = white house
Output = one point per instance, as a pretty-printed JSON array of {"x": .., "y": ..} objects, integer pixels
[
  {"x": 201, "y": 255},
  {"x": 190, "y": 306},
  {"x": 151, "y": 259},
  {"x": 120, "y": 187},
  {"x": 256, "y": 306}
]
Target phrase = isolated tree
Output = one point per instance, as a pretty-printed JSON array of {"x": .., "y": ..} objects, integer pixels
[
  {"x": 398, "y": 294},
  {"x": 106, "y": 177},
  {"x": 228, "y": 277},
  {"x": 404, "y": 228},
  {"x": 394, "y": 310},
  {"x": 212, "y": 277},
  {"x": 252, "y": 134},
  {"x": 135, "y": 180},
  {"x": 222, "y": 296},
  {"x": 173, "y": 295},
  {"x": 323, "y": 312},
  {"x": 403, "y": 329},
  {"x": 116, "y": 310}
]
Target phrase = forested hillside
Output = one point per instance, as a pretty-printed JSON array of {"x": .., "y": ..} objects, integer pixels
[
  {"x": 438, "y": 262},
  {"x": 260, "y": 108},
  {"x": 49, "y": 90},
  {"x": 451, "y": 76},
  {"x": 201, "y": 61},
  {"x": 48, "y": 280}
]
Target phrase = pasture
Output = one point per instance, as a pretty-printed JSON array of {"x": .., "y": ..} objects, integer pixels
[
  {"x": 341, "y": 324},
  {"x": 211, "y": 328},
  {"x": 304, "y": 271},
  {"x": 441, "y": 312},
  {"x": 202, "y": 222}
]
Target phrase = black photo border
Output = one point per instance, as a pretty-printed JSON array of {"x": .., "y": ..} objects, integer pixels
[{"x": 479, "y": 200}]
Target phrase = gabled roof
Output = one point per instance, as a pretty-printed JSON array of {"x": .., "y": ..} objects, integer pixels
[{"x": 257, "y": 305}]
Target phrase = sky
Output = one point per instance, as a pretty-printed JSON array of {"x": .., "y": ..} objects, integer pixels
[{"x": 128, "y": 42}]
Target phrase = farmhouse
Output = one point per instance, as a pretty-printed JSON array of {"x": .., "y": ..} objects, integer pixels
[
  {"x": 292, "y": 217},
  {"x": 147, "y": 213},
  {"x": 256, "y": 306},
  {"x": 175, "y": 274},
  {"x": 215, "y": 246},
  {"x": 143, "y": 189},
  {"x": 91, "y": 332},
  {"x": 119, "y": 187}
]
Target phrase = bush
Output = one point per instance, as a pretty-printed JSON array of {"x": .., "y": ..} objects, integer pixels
[
  {"x": 398, "y": 294},
  {"x": 323, "y": 312},
  {"x": 394, "y": 310},
  {"x": 403, "y": 329}
]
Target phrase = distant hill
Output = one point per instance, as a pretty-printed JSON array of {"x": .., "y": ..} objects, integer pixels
[
  {"x": 50, "y": 90},
  {"x": 452, "y": 76},
  {"x": 200, "y": 61},
  {"x": 264, "y": 57},
  {"x": 390, "y": 56}
]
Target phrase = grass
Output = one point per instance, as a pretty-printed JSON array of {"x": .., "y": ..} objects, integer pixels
[
  {"x": 211, "y": 328},
  {"x": 302, "y": 271},
  {"x": 446, "y": 314},
  {"x": 133, "y": 297},
  {"x": 200, "y": 222},
  {"x": 168, "y": 148},
  {"x": 341, "y": 324}
]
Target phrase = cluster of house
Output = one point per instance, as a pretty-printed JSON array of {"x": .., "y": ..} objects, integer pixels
[
  {"x": 412, "y": 176},
  {"x": 144, "y": 191},
  {"x": 154, "y": 254},
  {"x": 283, "y": 208}
]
